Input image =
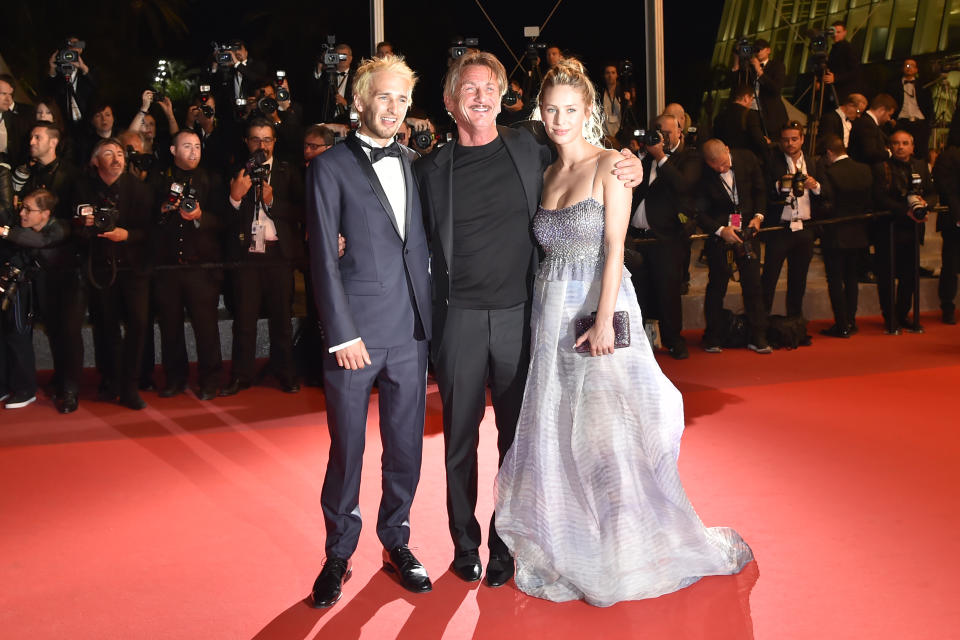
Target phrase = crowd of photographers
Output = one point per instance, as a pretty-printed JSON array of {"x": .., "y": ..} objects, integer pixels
[{"x": 145, "y": 225}]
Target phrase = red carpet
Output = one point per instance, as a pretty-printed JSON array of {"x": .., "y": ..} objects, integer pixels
[{"x": 837, "y": 463}]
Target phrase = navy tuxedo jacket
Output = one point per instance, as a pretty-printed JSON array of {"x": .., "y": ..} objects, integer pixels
[{"x": 380, "y": 289}]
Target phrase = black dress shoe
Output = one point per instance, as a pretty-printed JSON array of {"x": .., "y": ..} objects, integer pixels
[
  {"x": 206, "y": 394},
  {"x": 174, "y": 389},
  {"x": 852, "y": 328},
  {"x": 499, "y": 569},
  {"x": 466, "y": 564},
  {"x": 679, "y": 351},
  {"x": 67, "y": 403},
  {"x": 409, "y": 571},
  {"x": 836, "y": 331},
  {"x": 289, "y": 386},
  {"x": 949, "y": 316},
  {"x": 233, "y": 388},
  {"x": 132, "y": 400},
  {"x": 327, "y": 588}
]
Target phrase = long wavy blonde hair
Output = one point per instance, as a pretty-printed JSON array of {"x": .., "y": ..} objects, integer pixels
[{"x": 570, "y": 72}]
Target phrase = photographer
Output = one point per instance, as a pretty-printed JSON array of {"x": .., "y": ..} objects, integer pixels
[
  {"x": 515, "y": 107},
  {"x": 154, "y": 142},
  {"x": 916, "y": 111},
  {"x": 100, "y": 127},
  {"x": 616, "y": 104},
  {"x": 14, "y": 126},
  {"x": 730, "y": 205},
  {"x": 187, "y": 232},
  {"x": 738, "y": 124},
  {"x": 202, "y": 119},
  {"x": 766, "y": 78},
  {"x": 946, "y": 173},
  {"x": 266, "y": 205},
  {"x": 328, "y": 95},
  {"x": 47, "y": 170},
  {"x": 844, "y": 63},
  {"x": 238, "y": 74},
  {"x": 71, "y": 84},
  {"x": 868, "y": 143},
  {"x": 901, "y": 185},
  {"x": 794, "y": 189},
  {"x": 284, "y": 115},
  {"x": 839, "y": 122},
  {"x": 113, "y": 215}
]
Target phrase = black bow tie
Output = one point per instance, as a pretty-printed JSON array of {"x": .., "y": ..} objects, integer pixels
[
  {"x": 341, "y": 73},
  {"x": 377, "y": 153},
  {"x": 908, "y": 81}
]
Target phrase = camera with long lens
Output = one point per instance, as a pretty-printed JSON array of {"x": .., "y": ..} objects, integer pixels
[
  {"x": 20, "y": 176},
  {"x": 648, "y": 138},
  {"x": 510, "y": 98},
  {"x": 267, "y": 105},
  {"x": 460, "y": 46},
  {"x": 205, "y": 107},
  {"x": 222, "y": 53},
  {"x": 256, "y": 166},
  {"x": 282, "y": 94},
  {"x": 744, "y": 49},
  {"x": 182, "y": 196},
  {"x": 105, "y": 217},
  {"x": 533, "y": 51},
  {"x": 745, "y": 249},
  {"x": 918, "y": 207},
  {"x": 329, "y": 56},
  {"x": 139, "y": 161},
  {"x": 10, "y": 279},
  {"x": 421, "y": 139},
  {"x": 793, "y": 183}
]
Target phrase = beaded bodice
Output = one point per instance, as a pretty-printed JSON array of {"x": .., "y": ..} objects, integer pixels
[{"x": 572, "y": 240}]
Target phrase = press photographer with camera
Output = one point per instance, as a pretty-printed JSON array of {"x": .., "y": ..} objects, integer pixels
[
  {"x": 273, "y": 102},
  {"x": 331, "y": 85},
  {"x": 14, "y": 125},
  {"x": 794, "y": 189},
  {"x": 187, "y": 232},
  {"x": 731, "y": 199},
  {"x": 201, "y": 118},
  {"x": 916, "y": 111},
  {"x": 155, "y": 142},
  {"x": 237, "y": 73},
  {"x": 738, "y": 123},
  {"x": 112, "y": 216},
  {"x": 47, "y": 170},
  {"x": 266, "y": 205},
  {"x": 844, "y": 63},
  {"x": 901, "y": 185},
  {"x": 752, "y": 67},
  {"x": 617, "y": 103},
  {"x": 71, "y": 84}
]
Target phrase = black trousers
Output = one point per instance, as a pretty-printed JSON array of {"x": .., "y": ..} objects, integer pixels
[
  {"x": 478, "y": 347},
  {"x": 796, "y": 247},
  {"x": 18, "y": 370},
  {"x": 265, "y": 281},
  {"x": 123, "y": 303},
  {"x": 843, "y": 281},
  {"x": 197, "y": 291},
  {"x": 401, "y": 376},
  {"x": 63, "y": 308},
  {"x": 904, "y": 261},
  {"x": 717, "y": 281},
  {"x": 949, "y": 266},
  {"x": 657, "y": 278}
]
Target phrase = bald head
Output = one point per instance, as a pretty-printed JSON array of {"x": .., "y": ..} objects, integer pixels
[{"x": 716, "y": 154}]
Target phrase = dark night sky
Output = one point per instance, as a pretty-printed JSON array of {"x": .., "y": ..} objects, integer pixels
[{"x": 287, "y": 34}]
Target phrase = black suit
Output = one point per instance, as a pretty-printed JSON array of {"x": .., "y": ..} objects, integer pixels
[
  {"x": 378, "y": 292},
  {"x": 715, "y": 204},
  {"x": 868, "y": 143},
  {"x": 851, "y": 184},
  {"x": 919, "y": 128},
  {"x": 739, "y": 127},
  {"x": 61, "y": 90},
  {"x": 18, "y": 124},
  {"x": 794, "y": 247},
  {"x": 844, "y": 63},
  {"x": 658, "y": 277},
  {"x": 474, "y": 347},
  {"x": 831, "y": 124},
  {"x": 265, "y": 280},
  {"x": 947, "y": 175},
  {"x": 320, "y": 104},
  {"x": 769, "y": 93}
]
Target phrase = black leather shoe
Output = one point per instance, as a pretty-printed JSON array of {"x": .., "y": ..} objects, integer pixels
[
  {"x": 949, "y": 316},
  {"x": 67, "y": 403},
  {"x": 466, "y": 564},
  {"x": 174, "y": 389},
  {"x": 835, "y": 331},
  {"x": 206, "y": 394},
  {"x": 499, "y": 570},
  {"x": 853, "y": 328},
  {"x": 409, "y": 571},
  {"x": 289, "y": 386},
  {"x": 132, "y": 400},
  {"x": 679, "y": 351},
  {"x": 233, "y": 388},
  {"x": 328, "y": 587}
]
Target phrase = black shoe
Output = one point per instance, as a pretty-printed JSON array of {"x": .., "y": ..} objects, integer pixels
[
  {"x": 852, "y": 328},
  {"x": 67, "y": 403},
  {"x": 132, "y": 400},
  {"x": 233, "y": 388},
  {"x": 327, "y": 588},
  {"x": 836, "y": 331},
  {"x": 679, "y": 351},
  {"x": 289, "y": 385},
  {"x": 20, "y": 399},
  {"x": 949, "y": 316},
  {"x": 409, "y": 571},
  {"x": 466, "y": 564},
  {"x": 147, "y": 385},
  {"x": 499, "y": 569},
  {"x": 172, "y": 390},
  {"x": 206, "y": 394}
]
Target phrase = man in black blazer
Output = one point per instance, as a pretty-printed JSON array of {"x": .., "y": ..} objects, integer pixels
[
  {"x": 916, "y": 106},
  {"x": 374, "y": 305},
  {"x": 738, "y": 124},
  {"x": 74, "y": 90},
  {"x": 790, "y": 205},
  {"x": 260, "y": 219},
  {"x": 670, "y": 174},
  {"x": 868, "y": 143},
  {"x": 766, "y": 78},
  {"x": 328, "y": 98},
  {"x": 731, "y": 200},
  {"x": 851, "y": 184},
  {"x": 843, "y": 63},
  {"x": 479, "y": 196},
  {"x": 946, "y": 173},
  {"x": 15, "y": 124},
  {"x": 839, "y": 122}
]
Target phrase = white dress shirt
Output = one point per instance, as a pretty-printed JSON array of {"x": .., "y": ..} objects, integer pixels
[
  {"x": 910, "y": 110},
  {"x": 269, "y": 229},
  {"x": 847, "y": 125},
  {"x": 798, "y": 207}
]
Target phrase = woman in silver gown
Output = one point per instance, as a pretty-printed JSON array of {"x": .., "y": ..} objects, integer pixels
[{"x": 589, "y": 498}]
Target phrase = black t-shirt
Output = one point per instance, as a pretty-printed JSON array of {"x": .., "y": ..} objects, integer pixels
[{"x": 492, "y": 241}]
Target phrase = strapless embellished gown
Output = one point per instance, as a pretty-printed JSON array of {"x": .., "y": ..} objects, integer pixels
[{"x": 589, "y": 498}]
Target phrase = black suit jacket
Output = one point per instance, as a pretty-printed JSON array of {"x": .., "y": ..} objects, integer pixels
[
  {"x": 891, "y": 183},
  {"x": 714, "y": 203},
  {"x": 830, "y": 125},
  {"x": 59, "y": 89},
  {"x": 851, "y": 185},
  {"x": 531, "y": 155},
  {"x": 868, "y": 143},
  {"x": 946, "y": 175},
  {"x": 739, "y": 128},
  {"x": 769, "y": 95},
  {"x": 317, "y": 108},
  {"x": 670, "y": 194},
  {"x": 380, "y": 290},
  {"x": 923, "y": 95},
  {"x": 19, "y": 124},
  {"x": 844, "y": 62},
  {"x": 132, "y": 199},
  {"x": 286, "y": 212}
]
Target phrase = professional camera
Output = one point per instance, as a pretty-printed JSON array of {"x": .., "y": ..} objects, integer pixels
[
  {"x": 648, "y": 138},
  {"x": 745, "y": 249},
  {"x": 460, "y": 46},
  {"x": 182, "y": 196},
  {"x": 329, "y": 57},
  {"x": 282, "y": 94},
  {"x": 10, "y": 279},
  {"x": 105, "y": 218},
  {"x": 222, "y": 53},
  {"x": 510, "y": 98},
  {"x": 20, "y": 176},
  {"x": 819, "y": 40},
  {"x": 421, "y": 139},
  {"x": 744, "y": 49},
  {"x": 267, "y": 105},
  {"x": 256, "y": 166},
  {"x": 205, "y": 108},
  {"x": 533, "y": 51},
  {"x": 918, "y": 207},
  {"x": 793, "y": 183},
  {"x": 139, "y": 161},
  {"x": 65, "y": 61}
]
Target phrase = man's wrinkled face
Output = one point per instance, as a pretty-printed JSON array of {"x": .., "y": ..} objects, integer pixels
[
  {"x": 6, "y": 96},
  {"x": 476, "y": 101},
  {"x": 261, "y": 138},
  {"x": 186, "y": 151},
  {"x": 901, "y": 146},
  {"x": 109, "y": 162},
  {"x": 791, "y": 142}
]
